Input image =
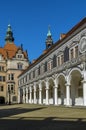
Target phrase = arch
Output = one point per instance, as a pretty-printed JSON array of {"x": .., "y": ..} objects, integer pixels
[
  {"x": 61, "y": 74},
  {"x": 43, "y": 91},
  {"x": 51, "y": 80},
  {"x": 75, "y": 69},
  {"x": 61, "y": 89},
  {"x": 76, "y": 89}
]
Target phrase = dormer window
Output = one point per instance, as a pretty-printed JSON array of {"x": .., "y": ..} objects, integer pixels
[
  {"x": 19, "y": 66},
  {"x": 19, "y": 56}
]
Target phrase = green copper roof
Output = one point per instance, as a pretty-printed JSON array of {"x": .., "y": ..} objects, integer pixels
[
  {"x": 9, "y": 34},
  {"x": 9, "y": 28},
  {"x": 49, "y": 33}
]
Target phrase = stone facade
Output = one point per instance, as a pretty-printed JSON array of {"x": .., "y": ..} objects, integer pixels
[
  {"x": 13, "y": 60},
  {"x": 58, "y": 76}
]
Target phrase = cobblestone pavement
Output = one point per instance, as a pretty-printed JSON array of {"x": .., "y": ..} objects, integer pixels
[{"x": 38, "y": 117}]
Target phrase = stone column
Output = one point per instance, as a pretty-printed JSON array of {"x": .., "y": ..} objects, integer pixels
[
  {"x": 55, "y": 92},
  {"x": 34, "y": 94},
  {"x": 30, "y": 95},
  {"x": 23, "y": 95},
  {"x": 40, "y": 93},
  {"x": 84, "y": 92},
  {"x": 68, "y": 79},
  {"x": 84, "y": 83},
  {"x": 27, "y": 94},
  {"x": 67, "y": 94},
  {"x": 55, "y": 95},
  {"x": 47, "y": 93},
  {"x": 18, "y": 95}
]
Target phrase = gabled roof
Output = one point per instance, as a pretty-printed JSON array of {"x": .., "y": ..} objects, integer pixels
[
  {"x": 83, "y": 21},
  {"x": 10, "y": 50}
]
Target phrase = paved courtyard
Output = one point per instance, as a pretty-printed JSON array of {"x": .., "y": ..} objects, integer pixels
[{"x": 37, "y": 117}]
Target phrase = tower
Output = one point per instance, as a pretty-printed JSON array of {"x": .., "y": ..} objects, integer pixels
[
  {"x": 49, "y": 41},
  {"x": 9, "y": 35}
]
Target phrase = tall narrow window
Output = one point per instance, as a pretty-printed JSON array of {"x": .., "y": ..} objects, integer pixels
[
  {"x": 66, "y": 54},
  {"x": 11, "y": 77},
  {"x": 34, "y": 74},
  {"x": 76, "y": 51},
  {"x": 71, "y": 54},
  {"x": 1, "y": 88},
  {"x": 45, "y": 66},
  {"x": 62, "y": 59},
  {"x": 39, "y": 70},
  {"x": 54, "y": 61},
  {"x": 58, "y": 60},
  {"x": 50, "y": 64}
]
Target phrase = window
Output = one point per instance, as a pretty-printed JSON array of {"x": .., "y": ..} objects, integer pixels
[
  {"x": 45, "y": 67},
  {"x": 66, "y": 54},
  {"x": 34, "y": 74},
  {"x": 2, "y": 78},
  {"x": 30, "y": 75},
  {"x": 19, "y": 66},
  {"x": 54, "y": 61},
  {"x": 11, "y": 88},
  {"x": 76, "y": 51},
  {"x": 1, "y": 88},
  {"x": 14, "y": 98},
  {"x": 50, "y": 64},
  {"x": 58, "y": 61},
  {"x": 39, "y": 70},
  {"x": 26, "y": 78},
  {"x": 11, "y": 77},
  {"x": 71, "y": 53},
  {"x": 62, "y": 59},
  {"x": 1, "y": 68},
  {"x": 42, "y": 68},
  {"x": 19, "y": 56}
]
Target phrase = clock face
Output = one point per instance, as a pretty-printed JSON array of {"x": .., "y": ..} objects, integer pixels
[{"x": 82, "y": 45}]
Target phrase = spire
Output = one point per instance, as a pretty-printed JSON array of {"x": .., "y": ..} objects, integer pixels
[
  {"x": 9, "y": 34},
  {"x": 49, "y": 41},
  {"x": 49, "y": 33}
]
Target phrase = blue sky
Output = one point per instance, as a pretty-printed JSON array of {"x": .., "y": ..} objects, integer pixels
[{"x": 30, "y": 19}]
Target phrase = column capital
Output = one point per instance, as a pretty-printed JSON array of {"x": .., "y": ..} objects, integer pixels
[
  {"x": 67, "y": 84},
  {"x": 55, "y": 86},
  {"x": 83, "y": 81}
]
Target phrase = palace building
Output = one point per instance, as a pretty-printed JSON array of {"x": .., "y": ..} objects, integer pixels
[
  {"x": 13, "y": 60},
  {"x": 58, "y": 76}
]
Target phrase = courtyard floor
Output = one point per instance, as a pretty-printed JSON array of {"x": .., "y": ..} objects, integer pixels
[{"x": 38, "y": 117}]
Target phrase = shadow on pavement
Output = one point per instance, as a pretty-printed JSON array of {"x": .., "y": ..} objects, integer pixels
[
  {"x": 46, "y": 124},
  {"x": 16, "y": 111},
  {"x": 37, "y": 123}
]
